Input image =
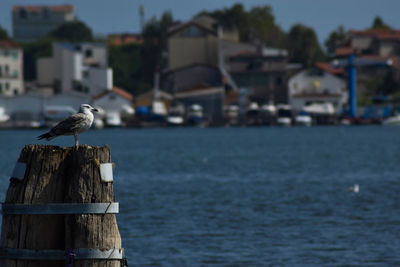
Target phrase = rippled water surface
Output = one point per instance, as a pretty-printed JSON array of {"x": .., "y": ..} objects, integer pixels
[{"x": 249, "y": 196}]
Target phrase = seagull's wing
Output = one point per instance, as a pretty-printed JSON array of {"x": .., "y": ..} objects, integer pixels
[{"x": 70, "y": 124}]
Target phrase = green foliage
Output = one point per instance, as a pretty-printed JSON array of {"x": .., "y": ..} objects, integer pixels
[
  {"x": 335, "y": 39},
  {"x": 134, "y": 65},
  {"x": 32, "y": 52},
  {"x": 258, "y": 24},
  {"x": 379, "y": 24},
  {"x": 126, "y": 62},
  {"x": 389, "y": 85},
  {"x": 73, "y": 32},
  {"x": 303, "y": 46},
  {"x": 3, "y": 34}
]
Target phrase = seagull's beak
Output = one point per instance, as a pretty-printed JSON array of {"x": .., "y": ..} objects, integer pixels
[{"x": 95, "y": 109}]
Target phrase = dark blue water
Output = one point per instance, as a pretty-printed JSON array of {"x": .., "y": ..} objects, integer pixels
[{"x": 249, "y": 196}]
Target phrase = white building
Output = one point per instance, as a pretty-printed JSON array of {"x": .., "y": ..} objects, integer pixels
[
  {"x": 76, "y": 68},
  {"x": 11, "y": 69},
  {"x": 317, "y": 86},
  {"x": 31, "y": 23}
]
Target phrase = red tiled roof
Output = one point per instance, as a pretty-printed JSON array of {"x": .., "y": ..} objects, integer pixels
[
  {"x": 328, "y": 68},
  {"x": 378, "y": 33},
  {"x": 116, "y": 90},
  {"x": 38, "y": 8},
  {"x": 344, "y": 51},
  {"x": 125, "y": 38},
  {"x": 8, "y": 44}
]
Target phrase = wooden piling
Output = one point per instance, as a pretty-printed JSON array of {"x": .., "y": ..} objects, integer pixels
[{"x": 60, "y": 175}]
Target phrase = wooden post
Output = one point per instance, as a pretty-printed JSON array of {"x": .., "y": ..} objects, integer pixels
[{"x": 60, "y": 175}]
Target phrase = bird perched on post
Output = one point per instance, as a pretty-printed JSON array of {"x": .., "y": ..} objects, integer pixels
[{"x": 73, "y": 125}]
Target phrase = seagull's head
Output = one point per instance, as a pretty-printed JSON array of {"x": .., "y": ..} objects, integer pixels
[{"x": 86, "y": 108}]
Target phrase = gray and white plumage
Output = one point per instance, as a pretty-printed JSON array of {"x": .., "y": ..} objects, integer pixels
[{"x": 73, "y": 125}]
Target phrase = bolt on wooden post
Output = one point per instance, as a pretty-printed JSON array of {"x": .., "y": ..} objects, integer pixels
[{"x": 60, "y": 210}]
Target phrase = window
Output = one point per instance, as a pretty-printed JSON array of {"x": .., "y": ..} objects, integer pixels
[
  {"x": 6, "y": 53},
  {"x": 88, "y": 53},
  {"x": 7, "y": 86},
  {"x": 1, "y": 88},
  {"x": 15, "y": 74},
  {"x": 15, "y": 91},
  {"x": 6, "y": 69},
  {"x": 1, "y": 71},
  {"x": 46, "y": 13},
  {"x": 22, "y": 13},
  {"x": 15, "y": 55}
]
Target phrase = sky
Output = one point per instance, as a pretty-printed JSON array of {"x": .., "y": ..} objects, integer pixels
[{"x": 324, "y": 16}]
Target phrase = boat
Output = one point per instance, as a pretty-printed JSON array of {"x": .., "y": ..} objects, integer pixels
[
  {"x": 175, "y": 115},
  {"x": 195, "y": 116},
  {"x": 392, "y": 121},
  {"x": 284, "y": 115},
  {"x": 303, "y": 119}
]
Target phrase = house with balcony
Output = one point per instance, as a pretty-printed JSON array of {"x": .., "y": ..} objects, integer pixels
[
  {"x": 76, "y": 68},
  {"x": 11, "y": 69},
  {"x": 318, "y": 87},
  {"x": 33, "y": 22}
]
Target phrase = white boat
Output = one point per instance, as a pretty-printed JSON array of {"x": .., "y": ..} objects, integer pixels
[
  {"x": 284, "y": 115},
  {"x": 303, "y": 119},
  {"x": 392, "y": 121},
  {"x": 113, "y": 119},
  {"x": 195, "y": 115}
]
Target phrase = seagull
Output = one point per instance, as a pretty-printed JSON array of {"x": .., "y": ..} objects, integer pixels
[{"x": 73, "y": 125}]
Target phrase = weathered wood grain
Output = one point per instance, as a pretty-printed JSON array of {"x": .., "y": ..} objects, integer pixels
[{"x": 60, "y": 175}]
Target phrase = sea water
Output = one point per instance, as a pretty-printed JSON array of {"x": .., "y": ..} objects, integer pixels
[{"x": 249, "y": 196}]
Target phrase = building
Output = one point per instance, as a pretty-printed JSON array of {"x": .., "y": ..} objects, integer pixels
[
  {"x": 11, "y": 69},
  {"x": 264, "y": 71},
  {"x": 115, "y": 106},
  {"x": 76, "y": 68},
  {"x": 317, "y": 85},
  {"x": 124, "y": 39},
  {"x": 377, "y": 52},
  {"x": 196, "y": 42},
  {"x": 31, "y": 23}
]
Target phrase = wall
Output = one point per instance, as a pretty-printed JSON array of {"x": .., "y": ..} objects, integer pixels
[
  {"x": 305, "y": 88},
  {"x": 187, "y": 51},
  {"x": 11, "y": 73}
]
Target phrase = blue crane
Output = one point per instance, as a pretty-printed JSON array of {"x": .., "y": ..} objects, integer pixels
[{"x": 351, "y": 63}]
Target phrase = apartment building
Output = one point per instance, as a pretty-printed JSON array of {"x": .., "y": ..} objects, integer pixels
[{"x": 11, "y": 69}]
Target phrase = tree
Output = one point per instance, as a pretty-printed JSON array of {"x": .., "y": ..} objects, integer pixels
[
  {"x": 3, "y": 34},
  {"x": 256, "y": 25},
  {"x": 303, "y": 46},
  {"x": 32, "y": 52},
  {"x": 75, "y": 31},
  {"x": 335, "y": 39},
  {"x": 379, "y": 24}
]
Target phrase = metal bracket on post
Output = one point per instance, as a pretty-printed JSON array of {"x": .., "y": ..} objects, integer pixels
[
  {"x": 106, "y": 172},
  {"x": 47, "y": 254},
  {"x": 60, "y": 208}
]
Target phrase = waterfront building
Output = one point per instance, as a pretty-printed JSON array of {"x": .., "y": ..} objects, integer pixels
[
  {"x": 76, "y": 68},
  {"x": 31, "y": 23},
  {"x": 115, "y": 106},
  {"x": 318, "y": 85},
  {"x": 377, "y": 47},
  {"x": 11, "y": 69}
]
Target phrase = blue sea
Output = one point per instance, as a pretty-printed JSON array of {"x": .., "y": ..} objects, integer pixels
[{"x": 249, "y": 196}]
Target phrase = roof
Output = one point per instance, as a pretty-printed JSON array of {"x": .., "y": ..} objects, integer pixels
[
  {"x": 383, "y": 34},
  {"x": 125, "y": 38},
  {"x": 344, "y": 51},
  {"x": 328, "y": 68},
  {"x": 203, "y": 22},
  {"x": 38, "y": 8},
  {"x": 8, "y": 44},
  {"x": 115, "y": 90}
]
